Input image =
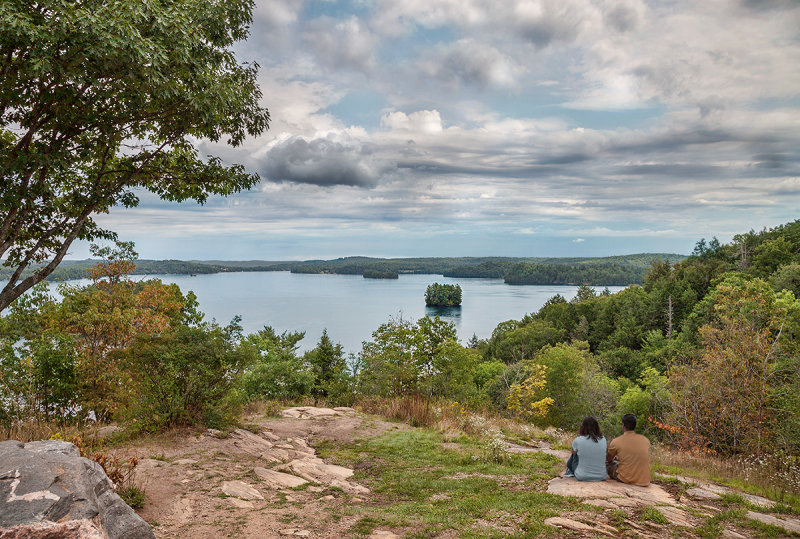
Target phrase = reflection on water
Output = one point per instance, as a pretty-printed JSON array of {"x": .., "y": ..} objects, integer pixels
[{"x": 451, "y": 314}]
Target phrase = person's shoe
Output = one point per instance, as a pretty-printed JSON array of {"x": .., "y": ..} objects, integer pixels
[{"x": 569, "y": 474}]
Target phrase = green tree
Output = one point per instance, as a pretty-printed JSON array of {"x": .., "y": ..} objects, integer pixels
[
  {"x": 772, "y": 254},
  {"x": 523, "y": 342},
  {"x": 787, "y": 278},
  {"x": 277, "y": 372},
  {"x": 327, "y": 364},
  {"x": 575, "y": 384},
  {"x": 740, "y": 395},
  {"x": 404, "y": 358},
  {"x": 100, "y": 99}
]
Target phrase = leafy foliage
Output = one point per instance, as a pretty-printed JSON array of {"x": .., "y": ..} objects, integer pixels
[
  {"x": 443, "y": 295},
  {"x": 417, "y": 358},
  {"x": 184, "y": 377},
  {"x": 99, "y": 99}
]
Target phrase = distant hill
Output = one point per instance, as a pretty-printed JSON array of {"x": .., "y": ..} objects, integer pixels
[{"x": 611, "y": 270}]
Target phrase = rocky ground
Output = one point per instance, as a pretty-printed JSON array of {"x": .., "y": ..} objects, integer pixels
[
  {"x": 267, "y": 481},
  {"x": 261, "y": 482}
]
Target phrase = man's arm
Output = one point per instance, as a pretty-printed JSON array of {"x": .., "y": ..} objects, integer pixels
[{"x": 611, "y": 452}]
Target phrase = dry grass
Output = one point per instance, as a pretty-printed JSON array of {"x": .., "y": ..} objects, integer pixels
[
  {"x": 29, "y": 431},
  {"x": 90, "y": 435},
  {"x": 762, "y": 476},
  {"x": 452, "y": 418}
]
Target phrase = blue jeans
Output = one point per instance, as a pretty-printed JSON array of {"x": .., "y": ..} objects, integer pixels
[{"x": 572, "y": 464}]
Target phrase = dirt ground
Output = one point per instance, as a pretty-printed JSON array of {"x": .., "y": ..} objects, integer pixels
[{"x": 182, "y": 475}]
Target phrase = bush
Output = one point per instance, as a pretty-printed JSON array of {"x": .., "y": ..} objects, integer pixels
[
  {"x": 185, "y": 377},
  {"x": 274, "y": 377}
]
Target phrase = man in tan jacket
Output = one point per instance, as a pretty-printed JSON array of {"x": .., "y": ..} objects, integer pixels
[{"x": 628, "y": 458}]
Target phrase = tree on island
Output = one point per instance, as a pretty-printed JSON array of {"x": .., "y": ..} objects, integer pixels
[
  {"x": 443, "y": 295},
  {"x": 100, "y": 99}
]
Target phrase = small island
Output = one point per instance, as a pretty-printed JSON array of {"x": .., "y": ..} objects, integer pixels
[
  {"x": 380, "y": 274},
  {"x": 443, "y": 295}
]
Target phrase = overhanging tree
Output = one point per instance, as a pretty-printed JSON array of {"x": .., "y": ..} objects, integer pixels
[{"x": 99, "y": 99}]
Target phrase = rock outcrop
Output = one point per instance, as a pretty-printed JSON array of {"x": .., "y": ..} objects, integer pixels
[
  {"x": 311, "y": 412},
  {"x": 614, "y": 492},
  {"x": 48, "y": 490}
]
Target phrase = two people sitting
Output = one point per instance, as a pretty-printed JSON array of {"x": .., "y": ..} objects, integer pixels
[{"x": 626, "y": 458}]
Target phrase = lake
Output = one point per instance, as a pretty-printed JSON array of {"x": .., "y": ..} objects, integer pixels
[{"x": 351, "y": 307}]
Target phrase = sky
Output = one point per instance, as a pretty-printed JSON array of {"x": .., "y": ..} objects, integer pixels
[{"x": 502, "y": 128}]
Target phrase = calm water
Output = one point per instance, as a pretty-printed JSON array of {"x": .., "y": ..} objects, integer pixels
[{"x": 351, "y": 307}]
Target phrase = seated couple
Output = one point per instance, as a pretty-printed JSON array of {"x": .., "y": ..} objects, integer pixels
[{"x": 626, "y": 458}]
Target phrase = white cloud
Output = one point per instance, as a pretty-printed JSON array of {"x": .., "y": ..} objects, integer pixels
[
  {"x": 422, "y": 121},
  {"x": 464, "y": 115}
]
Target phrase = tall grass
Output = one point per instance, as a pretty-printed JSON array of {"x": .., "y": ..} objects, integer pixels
[
  {"x": 774, "y": 476},
  {"x": 32, "y": 430},
  {"x": 448, "y": 416}
]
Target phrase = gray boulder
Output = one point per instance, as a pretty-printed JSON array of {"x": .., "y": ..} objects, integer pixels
[{"x": 48, "y": 483}]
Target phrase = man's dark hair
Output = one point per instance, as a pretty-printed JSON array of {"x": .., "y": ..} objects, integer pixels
[
  {"x": 590, "y": 428},
  {"x": 629, "y": 421}
]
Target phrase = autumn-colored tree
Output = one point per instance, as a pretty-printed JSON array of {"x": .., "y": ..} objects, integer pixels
[
  {"x": 525, "y": 398},
  {"x": 732, "y": 399}
]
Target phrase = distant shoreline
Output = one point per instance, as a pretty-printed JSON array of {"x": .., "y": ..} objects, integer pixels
[{"x": 622, "y": 270}]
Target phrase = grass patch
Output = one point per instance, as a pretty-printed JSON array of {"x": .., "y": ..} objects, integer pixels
[
  {"x": 654, "y": 515},
  {"x": 421, "y": 486},
  {"x": 133, "y": 496},
  {"x": 715, "y": 526}
]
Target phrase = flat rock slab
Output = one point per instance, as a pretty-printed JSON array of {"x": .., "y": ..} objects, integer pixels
[
  {"x": 788, "y": 524},
  {"x": 241, "y": 504},
  {"x": 719, "y": 489},
  {"x": 601, "y": 503},
  {"x": 701, "y": 494},
  {"x": 295, "y": 532},
  {"x": 252, "y": 444},
  {"x": 676, "y": 516},
  {"x": 618, "y": 493},
  {"x": 311, "y": 412},
  {"x": 569, "y": 524},
  {"x": 240, "y": 489},
  {"x": 314, "y": 469},
  {"x": 278, "y": 480}
]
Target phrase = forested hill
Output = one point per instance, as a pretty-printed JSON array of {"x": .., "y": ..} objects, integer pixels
[{"x": 613, "y": 270}]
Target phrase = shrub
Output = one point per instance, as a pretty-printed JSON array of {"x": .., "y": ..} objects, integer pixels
[{"x": 185, "y": 377}]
